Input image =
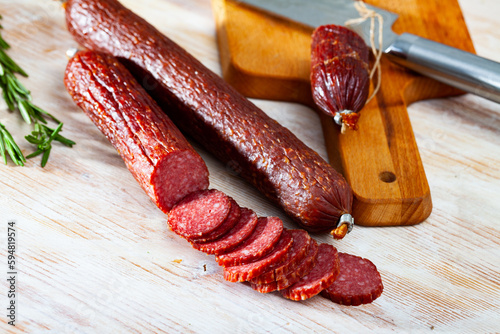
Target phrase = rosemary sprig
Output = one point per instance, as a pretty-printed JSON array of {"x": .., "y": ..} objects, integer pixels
[
  {"x": 18, "y": 98},
  {"x": 7, "y": 144}
]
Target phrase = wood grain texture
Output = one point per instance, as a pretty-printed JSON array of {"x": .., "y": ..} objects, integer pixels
[
  {"x": 96, "y": 256},
  {"x": 268, "y": 57}
]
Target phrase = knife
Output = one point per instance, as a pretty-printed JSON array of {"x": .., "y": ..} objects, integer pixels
[{"x": 457, "y": 68}]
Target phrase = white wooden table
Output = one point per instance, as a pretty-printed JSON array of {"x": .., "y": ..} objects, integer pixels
[{"x": 94, "y": 255}]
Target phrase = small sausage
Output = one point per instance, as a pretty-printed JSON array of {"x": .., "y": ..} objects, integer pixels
[
  {"x": 158, "y": 155},
  {"x": 209, "y": 110},
  {"x": 340, "y": 76}
]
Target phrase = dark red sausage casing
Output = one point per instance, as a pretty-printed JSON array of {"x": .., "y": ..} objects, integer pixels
[
  {"x": 204, "y": 106},
  {"x": 340, "y": 77},
  {"x": 152, "y": 147}
]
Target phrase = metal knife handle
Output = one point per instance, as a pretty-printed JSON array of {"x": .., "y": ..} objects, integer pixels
[{"x": 452, "y": 66}]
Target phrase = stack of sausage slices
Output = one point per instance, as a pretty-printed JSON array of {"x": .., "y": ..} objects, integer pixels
[{"x": 261, "y": 251}]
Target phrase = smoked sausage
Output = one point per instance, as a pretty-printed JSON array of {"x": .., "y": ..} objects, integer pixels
[
  {"x": 154, "y": 150},
  {"x": 259, "y": 250},
  {"x": 340, "y": 76},
  {"x": 208, "y": 109}
]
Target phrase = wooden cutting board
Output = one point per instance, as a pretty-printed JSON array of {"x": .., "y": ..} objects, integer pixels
[{"x": 267, "y": 57}]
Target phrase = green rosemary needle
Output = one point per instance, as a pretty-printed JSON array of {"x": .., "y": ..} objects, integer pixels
[{"x": 18, "y": 98}]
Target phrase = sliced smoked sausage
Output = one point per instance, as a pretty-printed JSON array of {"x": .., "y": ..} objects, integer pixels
[
  {"x": 154, "y": 150},
  {"x": 204, "y": 106}
]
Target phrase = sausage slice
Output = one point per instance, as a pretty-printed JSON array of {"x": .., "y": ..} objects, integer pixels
[
  {"x": 359, "y": 282},
  {"x": 243, "y": 229},
  {"x": 250, "y": 270},
  {"x": 321, "y": 276},
  {"x": 263, "y": 238},
  {"x": 295, "y": 255},
  {"x": 199, "y": 214}
]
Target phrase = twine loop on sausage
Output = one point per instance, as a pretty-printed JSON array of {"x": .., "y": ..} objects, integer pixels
[{"x": 373, "y": 16}]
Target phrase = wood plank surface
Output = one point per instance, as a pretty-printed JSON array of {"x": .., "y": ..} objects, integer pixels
[{"x": 94, "y": 255}]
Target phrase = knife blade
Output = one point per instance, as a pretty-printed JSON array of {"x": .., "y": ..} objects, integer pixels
[{"x": 457, "y": 68}]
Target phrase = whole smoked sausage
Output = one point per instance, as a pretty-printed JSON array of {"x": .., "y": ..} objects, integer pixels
[
  {"x": 204, "y": 106},
  {"x": 154, "y": 150},
  {"x": 340, "y": 76}
]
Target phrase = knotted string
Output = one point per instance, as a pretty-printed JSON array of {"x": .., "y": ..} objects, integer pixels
[{"x": 366, "y": 14}]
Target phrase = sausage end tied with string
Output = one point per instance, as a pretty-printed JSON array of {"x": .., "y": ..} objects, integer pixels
[{"x": 340, "y": 72}]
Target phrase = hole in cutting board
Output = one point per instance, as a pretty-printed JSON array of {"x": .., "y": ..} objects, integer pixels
[{"x": 387, "y": 177}]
